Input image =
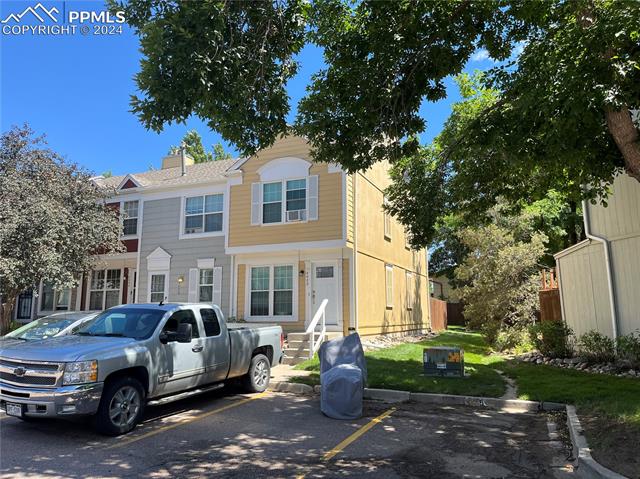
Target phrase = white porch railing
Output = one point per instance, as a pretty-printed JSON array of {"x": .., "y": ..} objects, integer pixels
[{"x": 318, "y": 318}]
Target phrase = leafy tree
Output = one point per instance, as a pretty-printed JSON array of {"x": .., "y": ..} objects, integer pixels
[
  {"x": 52, "y": 219},
  {"x": 557, "y": 119},
  {"x": 437, "y": 192},
  {"x": 193, "y": 146},
  {"x": 500, "y": 275}
]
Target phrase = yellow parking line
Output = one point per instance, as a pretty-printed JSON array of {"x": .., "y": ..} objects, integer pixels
[
  {"x": 353, "y": 437},
  {"x": 184, "y": 421},
  {"x": 336, "y": 450}
]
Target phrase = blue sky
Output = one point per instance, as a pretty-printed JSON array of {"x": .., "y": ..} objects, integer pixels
[{"x": 76, "y": 90}]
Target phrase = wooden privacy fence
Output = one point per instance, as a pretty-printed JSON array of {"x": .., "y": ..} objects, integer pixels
[
  {"x": 550, "y": 309},
  {"x": 438, "y": 314}
]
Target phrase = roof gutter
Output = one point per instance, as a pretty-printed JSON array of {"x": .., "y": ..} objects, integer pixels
[{"x": 608, "y": 265}]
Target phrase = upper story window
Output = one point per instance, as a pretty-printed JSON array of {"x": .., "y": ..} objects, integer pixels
[
  {"x": 130, "y": 218},
  {"x": 203, "y": 214},
  {"x": 294, "y": 208}
]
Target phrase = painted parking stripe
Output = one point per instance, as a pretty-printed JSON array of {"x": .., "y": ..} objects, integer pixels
[
  {"x": 353, "y": 437},
  {"x": 184, "y": 421}
]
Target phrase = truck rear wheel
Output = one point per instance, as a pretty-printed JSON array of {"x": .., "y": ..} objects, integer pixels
[
  {"x": 121, "y": 406},
  {"x": 257, "y": 379}
]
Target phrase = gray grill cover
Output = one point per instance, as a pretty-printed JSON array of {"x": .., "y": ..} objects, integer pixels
[{"x": 343, "y": 375}]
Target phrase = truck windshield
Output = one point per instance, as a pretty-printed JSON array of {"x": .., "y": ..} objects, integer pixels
[{"x": 124, "y": 322}]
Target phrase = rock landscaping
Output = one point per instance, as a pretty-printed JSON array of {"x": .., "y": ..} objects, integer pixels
[
  {"x": 381, "y": 342},
  {"x": 619, "y": 368}
]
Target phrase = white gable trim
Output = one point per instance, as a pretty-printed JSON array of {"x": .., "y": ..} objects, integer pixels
[
  {"x": 282, "y": 168},
  {"x": 158, "y": 260},
  {"x": 127, "y": 178}
]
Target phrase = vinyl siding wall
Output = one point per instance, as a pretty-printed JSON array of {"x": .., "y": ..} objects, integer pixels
[
  {"x": 161, "y": 224},
  {"x": 328, "y": 226},
  {"x": 583, "y": 273},
  {"x": 374, "y": 252}
]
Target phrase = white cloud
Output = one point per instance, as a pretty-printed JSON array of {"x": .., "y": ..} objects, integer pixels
[{"x": 480, "y": 55}]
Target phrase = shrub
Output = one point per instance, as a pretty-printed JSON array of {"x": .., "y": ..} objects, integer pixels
[
  {"x": 596, "y": 347},
  {"x": 513, "y": 339},
  {"x": 628, "y": 349},
  {"x": 552, "y": 338}
]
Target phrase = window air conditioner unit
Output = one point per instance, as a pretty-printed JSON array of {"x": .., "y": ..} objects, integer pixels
[{"x": 296, "y": 215}]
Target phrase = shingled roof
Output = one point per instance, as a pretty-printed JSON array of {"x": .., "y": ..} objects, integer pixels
[{"x": 198, "y": 173}]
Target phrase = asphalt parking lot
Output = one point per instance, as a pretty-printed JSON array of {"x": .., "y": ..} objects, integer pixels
[{"x": 226, "y": 434}]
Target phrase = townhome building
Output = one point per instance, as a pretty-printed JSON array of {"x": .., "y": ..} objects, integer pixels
[{"x": 269, "y": 238}]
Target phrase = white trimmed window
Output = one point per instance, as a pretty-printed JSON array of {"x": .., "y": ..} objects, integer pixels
[
  {"x": 272, "y": 202},
  {"x": 271, "y": 290},
  {"x": 130, "y": 218},
  {"x": 105, "y": 289},
  {"x": 203, "y": 214},
  {"x": 53, "y": 299},
  {"x": 288, "y": 200},
  {"x": 388, "y": 270},
  {"x": 205, "y": 285},
  {"x": 387, "y": 221},
  {"x": 157, "y": 287},
  {"x": 411, "y": 290}
]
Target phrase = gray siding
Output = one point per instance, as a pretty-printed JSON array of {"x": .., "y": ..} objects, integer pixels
[{"x": 160, "y": 227}]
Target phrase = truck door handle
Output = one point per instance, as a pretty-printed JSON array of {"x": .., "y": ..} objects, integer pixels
[{"x": 197, "y": 349}]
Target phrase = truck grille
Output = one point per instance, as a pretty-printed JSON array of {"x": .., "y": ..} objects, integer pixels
[{"x": 30, "y": 374}]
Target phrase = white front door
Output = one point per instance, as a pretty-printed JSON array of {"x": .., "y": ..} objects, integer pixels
[
  {"x": 133, "y": 281},
  {"x": 325, "y": 283}
]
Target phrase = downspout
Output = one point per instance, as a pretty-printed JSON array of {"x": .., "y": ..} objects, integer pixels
[
  {"x": 355, "y": 253},
  {"x": 608, "y": 265}
]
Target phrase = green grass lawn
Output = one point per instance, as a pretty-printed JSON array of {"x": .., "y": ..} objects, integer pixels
[{"x": 400, "y": 367}]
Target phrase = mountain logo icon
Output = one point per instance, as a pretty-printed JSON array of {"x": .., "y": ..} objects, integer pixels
[{"x": 39, "y": 11}]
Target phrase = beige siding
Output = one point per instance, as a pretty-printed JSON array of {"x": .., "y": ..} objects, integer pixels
[
  {"x": 374, "y": 251},
  {"x": 625, "y": 255},
  {"x": 583, "y": 278},
  {"x": 330, "y": 209},
  {"x": 621, "y": 216}
]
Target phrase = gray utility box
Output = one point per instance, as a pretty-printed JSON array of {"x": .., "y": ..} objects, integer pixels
[{"x": 443, "y": 361}]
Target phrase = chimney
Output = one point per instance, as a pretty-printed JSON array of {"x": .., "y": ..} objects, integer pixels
[{"x": 177, "y": 160}]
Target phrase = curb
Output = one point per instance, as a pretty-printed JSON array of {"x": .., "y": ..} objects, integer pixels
[
  {"x": 586, "y": 465},
  {"x": 511, "y": 405}
]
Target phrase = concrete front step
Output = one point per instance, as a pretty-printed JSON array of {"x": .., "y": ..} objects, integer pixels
[{"x": 292, "y": 361}]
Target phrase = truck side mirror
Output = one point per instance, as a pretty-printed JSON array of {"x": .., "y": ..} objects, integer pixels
[
  {"x": 164, "y": 337},
  {"x": 184, "y": 333}
]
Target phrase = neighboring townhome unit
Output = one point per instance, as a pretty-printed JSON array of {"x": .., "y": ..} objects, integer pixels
[{"x": 302, "y": 232}]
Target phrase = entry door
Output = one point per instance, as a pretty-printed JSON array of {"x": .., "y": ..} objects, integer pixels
[
  {"x": 133, "y": 282},
  {"x": 324, "y": 284}
]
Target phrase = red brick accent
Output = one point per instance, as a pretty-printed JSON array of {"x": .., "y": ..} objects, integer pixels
[
  {"x": 131, "y": 245},
  {"x": 125, "y": 286}
]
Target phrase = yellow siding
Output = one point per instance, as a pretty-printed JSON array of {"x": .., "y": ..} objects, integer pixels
[
  {"x": 349, "y": 202},
  {"x": 241, "y": 282},
  {"x": 346, "y": 290},
  {"x": 330, "y": 209},
  {"x": 374, "y": 251}
]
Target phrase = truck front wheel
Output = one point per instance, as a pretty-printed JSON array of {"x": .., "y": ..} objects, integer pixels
[
  {"x": 121, "y": 406},
  {"x": 257, "y": 379}
]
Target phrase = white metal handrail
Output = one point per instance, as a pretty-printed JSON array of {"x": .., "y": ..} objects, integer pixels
[{"x": 319, "y": 317}]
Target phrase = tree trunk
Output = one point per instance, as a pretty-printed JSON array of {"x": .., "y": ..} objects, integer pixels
[
  {"x": 6, "y": 308},
  {"x": 627, "y": 138}
]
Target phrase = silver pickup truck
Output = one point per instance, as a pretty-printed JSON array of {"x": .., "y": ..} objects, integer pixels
[{"x": 133, "y": 355}]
